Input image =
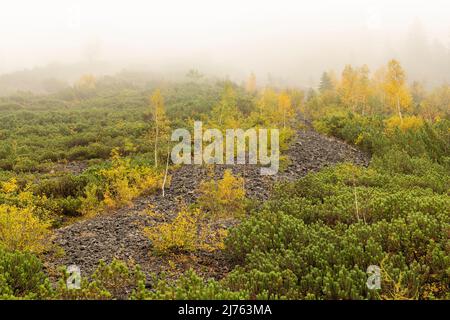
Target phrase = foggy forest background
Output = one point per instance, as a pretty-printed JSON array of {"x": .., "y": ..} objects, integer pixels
[{"x": 47, "y": 47}]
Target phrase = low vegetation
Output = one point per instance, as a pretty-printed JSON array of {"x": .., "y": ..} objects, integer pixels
[{"x": 313, "y": 239}]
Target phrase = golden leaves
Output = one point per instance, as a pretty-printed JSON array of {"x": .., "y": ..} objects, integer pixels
[
  {"x": 21, "y": 229},
  {"x": 224, "y": 198}
]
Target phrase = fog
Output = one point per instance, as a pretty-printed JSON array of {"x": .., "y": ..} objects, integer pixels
[{"x": 288, "y": 42}]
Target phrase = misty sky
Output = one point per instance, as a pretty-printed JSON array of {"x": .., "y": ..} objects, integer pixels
[{"x": 292, "y": 40}]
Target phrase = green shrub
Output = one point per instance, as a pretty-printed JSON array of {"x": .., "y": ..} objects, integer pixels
[
  {"x": 70, "y": 206},
  {"x": 62, "y": 187},
  {"x": 109, "y": 281},
  {"x": 22, "y": 276},
  {"x": 190, "y": 286},
  {"x": 316, "y": 237}
]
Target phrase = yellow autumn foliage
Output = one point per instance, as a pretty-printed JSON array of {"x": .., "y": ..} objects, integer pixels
[
  {"x": 24, "y": 224},
  {"x": 408, "y": 123},
  {"x": 125, "y": 182},
  {"x": 121, "y": 183},
  {"x": 86, "y": 81},
  {"x": 285, "y": 109},
  {"x": 395, "y": 88},
  {"x": 21, "y": 229},
  {"x": 10, "y": 186},
  {"x": 224, "y": 198},
  {"x": 90, "y": 203},
  {"x": 189, "y": 231},
  {"x": 22, "y": 197}
]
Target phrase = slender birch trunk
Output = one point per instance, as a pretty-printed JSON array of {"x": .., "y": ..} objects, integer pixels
[{"x": 398, "y": 109}]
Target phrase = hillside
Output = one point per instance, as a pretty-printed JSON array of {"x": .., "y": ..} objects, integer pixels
[{"x": 362, "y": 184}]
